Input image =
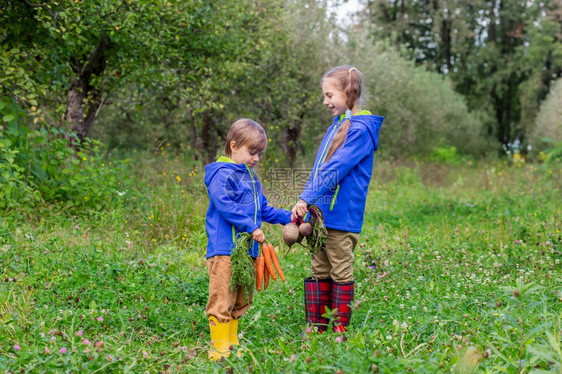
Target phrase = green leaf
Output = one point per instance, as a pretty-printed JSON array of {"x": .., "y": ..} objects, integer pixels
[
  {"x": 8, "y": 118},
  {"x": 171, "y": 269}
]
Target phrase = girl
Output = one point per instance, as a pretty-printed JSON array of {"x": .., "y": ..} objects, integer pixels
[
  {"x": 338, "y": 184},
  {"x": 236, "y": 204}
]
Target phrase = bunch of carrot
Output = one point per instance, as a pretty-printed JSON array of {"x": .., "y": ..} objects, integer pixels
[
  {"x": 242, "y": 265},
  {"x": 266, "y": 265}
]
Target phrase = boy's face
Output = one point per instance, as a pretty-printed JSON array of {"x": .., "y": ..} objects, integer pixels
[
  {"x": 241, "y": 155},
  {"x": 334, "y": 98}
]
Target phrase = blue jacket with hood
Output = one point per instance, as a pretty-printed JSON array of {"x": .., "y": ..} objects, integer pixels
[
  {"x": 339, "y": 187},
  {"x": 236, "y": 204}
]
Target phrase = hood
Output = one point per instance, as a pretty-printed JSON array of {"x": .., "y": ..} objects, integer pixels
[
  {"x": 222, "y": 163},
  {"x": 372, "y": 123}
]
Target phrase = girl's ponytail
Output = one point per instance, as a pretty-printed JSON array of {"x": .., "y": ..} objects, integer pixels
[{"x": 351, "y": 83}]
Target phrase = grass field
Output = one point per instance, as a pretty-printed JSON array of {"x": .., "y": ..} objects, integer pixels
[{"x": 458, "y": 269}]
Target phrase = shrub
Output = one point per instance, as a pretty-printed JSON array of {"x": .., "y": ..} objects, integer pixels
[
  {"x": 39, "y": 165},
  {"x": 422, "y": 111},
  {"x": 548, "y": 124},
  {"x": 448, "y": 155}
]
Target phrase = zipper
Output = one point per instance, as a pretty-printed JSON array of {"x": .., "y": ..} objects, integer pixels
[
  {"x": 256, "y": 202},
  {"x": 335, "y": 197},
  {"x": 326, "y": 146},
  {"x": 323, "y": 157}
]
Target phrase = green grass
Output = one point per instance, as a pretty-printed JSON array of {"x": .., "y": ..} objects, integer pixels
[{"x": 459, "y": 268}]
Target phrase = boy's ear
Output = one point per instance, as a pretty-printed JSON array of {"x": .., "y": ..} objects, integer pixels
[{"x": 233, "y": 146}]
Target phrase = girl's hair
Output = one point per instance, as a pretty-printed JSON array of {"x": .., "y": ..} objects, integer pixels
[
  {"x": 246, "y": 132},
  {"x": 350, "y": 81}
]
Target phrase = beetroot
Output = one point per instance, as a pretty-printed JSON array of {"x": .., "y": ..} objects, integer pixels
[
  {"x": 305, "y": 229},
  {"x": 290, "y": 234}
]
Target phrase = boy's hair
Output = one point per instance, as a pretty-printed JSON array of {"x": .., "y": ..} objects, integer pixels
[
  {"x": 349, "y": 81},
  {"x": 246, "y": 132}
]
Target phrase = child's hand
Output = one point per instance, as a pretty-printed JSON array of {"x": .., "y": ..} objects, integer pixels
[
  {"x": 258, "y": 236},
  {"x": 294, "y": 217},
  {"x": 300, "y": 209}
]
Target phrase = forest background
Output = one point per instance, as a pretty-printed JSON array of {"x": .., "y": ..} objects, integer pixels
[{"x": 110, "y": 110}]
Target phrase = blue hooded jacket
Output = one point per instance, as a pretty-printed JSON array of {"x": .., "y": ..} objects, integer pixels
[
  {"x": 339, "y": 187},
  {"x": 236, "y": 204}
]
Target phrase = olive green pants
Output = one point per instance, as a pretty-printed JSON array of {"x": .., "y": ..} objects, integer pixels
[
  {"x": 223, "y": 303},
  {"x": 336, "y": 261}
]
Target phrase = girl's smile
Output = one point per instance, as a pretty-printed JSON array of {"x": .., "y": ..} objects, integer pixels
[{"x": 334, "y": 98}]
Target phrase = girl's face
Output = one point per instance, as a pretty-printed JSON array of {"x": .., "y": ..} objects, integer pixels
[
  {"x": 241, "y": 155},
  {"x": 334, "y": 98}
]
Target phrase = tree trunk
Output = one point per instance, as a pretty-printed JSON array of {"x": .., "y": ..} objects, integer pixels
[
  {"x": 446, "y": 26},
  {"x": 75, "y": 107},
  {"x": 291, "y": 140},
  {"x": 291, "y": 144},
  {"x": 492, "y": 29},
  {"x": 83, "y": 99},
  {"x": 195, "y": 140},
  {"x": 209, "y": 139}
]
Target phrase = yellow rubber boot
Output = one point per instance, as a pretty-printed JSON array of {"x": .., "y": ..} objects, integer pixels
[
  {"x": 233, "y": 336},
  {"x": 220, "y": 334}
]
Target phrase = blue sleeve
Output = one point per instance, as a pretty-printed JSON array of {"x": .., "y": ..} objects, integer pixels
[
  {"x": 356, "y": 146},
  {"x": 272, "y": 215},
  {"x": 225, "y": 206}
]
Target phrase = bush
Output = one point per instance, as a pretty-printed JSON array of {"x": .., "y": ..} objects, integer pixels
[
  {"x": 447, "y": 155},
  {"x": 548, "y": 124},
  {"x": 39, "y": 165},
  {"x": 553, "y": 153},
  {"x": 13, "y": 186},
  {"x": 422, "y": 111}
]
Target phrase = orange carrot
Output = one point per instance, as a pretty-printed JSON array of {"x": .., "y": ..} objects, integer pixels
[
  {"x": 275, "y": 261},
  {"x": 260, "y": 267},
  {"x": 265, "y": 277},
  {"x": 267, "y": 255}
]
